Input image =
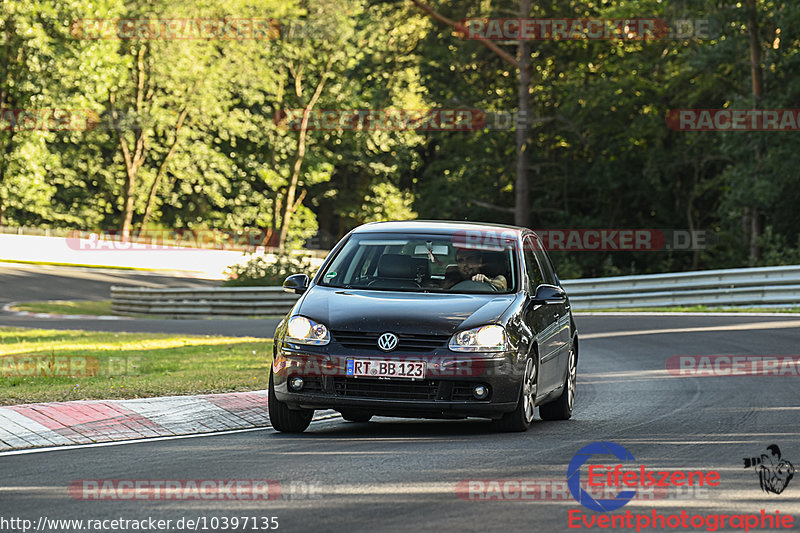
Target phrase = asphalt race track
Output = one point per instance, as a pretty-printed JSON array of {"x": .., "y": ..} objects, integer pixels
[{"x": 403, "y": 475}]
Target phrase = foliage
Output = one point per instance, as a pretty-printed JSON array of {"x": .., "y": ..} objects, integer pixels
[
  {"x": 213, "y": 156},
  {"x": 270, "y": 270}
]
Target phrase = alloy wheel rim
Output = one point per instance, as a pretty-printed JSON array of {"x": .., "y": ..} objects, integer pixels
[
  {"x": 573, "y": 370},
  {"x": 529, "y": 391}
]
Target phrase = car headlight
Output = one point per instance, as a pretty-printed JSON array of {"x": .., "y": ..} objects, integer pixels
[
  {"x": 305, "y": 331},
  {"x": 483, "y": 339}
]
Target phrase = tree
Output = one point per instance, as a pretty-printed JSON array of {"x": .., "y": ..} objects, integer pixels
[{"x": 42, "y": 75}]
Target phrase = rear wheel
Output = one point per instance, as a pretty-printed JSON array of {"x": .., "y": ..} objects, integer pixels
[
  {"x": 561, "y": 409},
  {"x": 520, "y": 418},
  {"x": 356, "y": 417},
  {"x": 284, "y": 419}
]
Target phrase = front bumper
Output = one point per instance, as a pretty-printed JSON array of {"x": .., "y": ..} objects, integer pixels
[{"x": 446, "y": 391}]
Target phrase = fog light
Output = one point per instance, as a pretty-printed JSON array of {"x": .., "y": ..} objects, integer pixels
[
  {"x": 480, "y": 392},
  {"x": 295, "y": 383}
]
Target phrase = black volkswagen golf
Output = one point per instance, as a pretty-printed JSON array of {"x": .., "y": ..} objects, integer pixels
[{"x": 427, "y": 319}]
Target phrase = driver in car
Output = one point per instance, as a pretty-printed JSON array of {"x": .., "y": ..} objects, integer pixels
[{"x": 470, "y": 265}]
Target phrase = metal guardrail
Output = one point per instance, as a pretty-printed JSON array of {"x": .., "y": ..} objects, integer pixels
[
  {"x": 752, "y": 287},
  {"x": 193, "y": 303}
]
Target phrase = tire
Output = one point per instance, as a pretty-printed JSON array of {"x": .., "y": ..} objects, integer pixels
[
  {"x": 284, "y": 419},
  {"x": 356, "y": 417},
  {"x": 520, "y": 419},
  {"x": 561, "y": 408}
]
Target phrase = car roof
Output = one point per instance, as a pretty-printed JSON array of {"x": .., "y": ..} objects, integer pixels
[{"x": 434, "y": 226}]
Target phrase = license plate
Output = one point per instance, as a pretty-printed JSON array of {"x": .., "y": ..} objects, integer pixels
[{"x": 385, "y": 368}]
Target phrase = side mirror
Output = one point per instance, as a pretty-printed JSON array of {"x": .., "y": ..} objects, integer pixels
[
  {"x": 550, "y": 294},
  {"x": 297, "y": 284}
]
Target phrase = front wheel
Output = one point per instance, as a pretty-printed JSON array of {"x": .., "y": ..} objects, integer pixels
[
  {"x": 520, "y": 418},
  {"x": 284, "y": 419},
  {"x": 561, "y": 409}
]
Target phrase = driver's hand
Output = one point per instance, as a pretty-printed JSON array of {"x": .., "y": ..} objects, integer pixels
[{"x": 480, "y": 277}]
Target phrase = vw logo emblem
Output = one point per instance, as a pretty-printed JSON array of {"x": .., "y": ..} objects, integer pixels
[{"x": 387, "y": 342}]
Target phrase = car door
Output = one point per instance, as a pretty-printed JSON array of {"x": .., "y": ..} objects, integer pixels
[
  {"x": 560, "y": 311},
  {"x": 542, "y": 319}
]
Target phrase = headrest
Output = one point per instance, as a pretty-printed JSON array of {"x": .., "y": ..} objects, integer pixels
[
  {"x": 396, "y": 266},
  {"x": 496, "y": 263}
]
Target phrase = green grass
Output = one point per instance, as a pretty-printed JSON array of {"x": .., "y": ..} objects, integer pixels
[
  {"x": 694, "y": 309},
  {"x": 91, "y": 307},
  {"x": 64, "y": 307},
  {"x": 50, "y": 365}
]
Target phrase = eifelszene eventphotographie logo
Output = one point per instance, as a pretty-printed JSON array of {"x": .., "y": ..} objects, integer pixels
[
  {"x": 774, "y": 472},
  {"x": 625, "y": 479}
]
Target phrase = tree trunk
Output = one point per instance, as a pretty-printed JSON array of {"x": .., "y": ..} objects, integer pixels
[
  {"x": 151, "y": 198},
  {"x": 690, "y": 214},
  {"x": 289, "y": 203},
  {"x": 758, "y": 94},
  {"x": 521, "y": 193},
  {"x": 133, "y": 161},
  {"x": 130, "y": 189},
  {"x": 7, "y": 149},
  {"x": 6, "y": 104},
  {"x": 273, "y": 230},
  {"x": 755, "y": 51}
]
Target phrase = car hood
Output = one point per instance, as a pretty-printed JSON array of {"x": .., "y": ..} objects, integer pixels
[{"x": 407, "y": 312}]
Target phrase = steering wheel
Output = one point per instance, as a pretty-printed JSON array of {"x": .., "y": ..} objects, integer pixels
[{"x": 470, "y": 285}]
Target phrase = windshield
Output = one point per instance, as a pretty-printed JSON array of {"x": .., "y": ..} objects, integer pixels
[{"x": 424, "y": 263}]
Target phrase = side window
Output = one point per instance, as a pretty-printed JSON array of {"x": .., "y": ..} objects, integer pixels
[
  {"x": 544, "y": 261},
  {"x": 531, "y": 264}
]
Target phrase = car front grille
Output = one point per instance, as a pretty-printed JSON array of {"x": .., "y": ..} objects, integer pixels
[
  {"x": 386, "y": 389},
  {"x": 406, "y": 342}
]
